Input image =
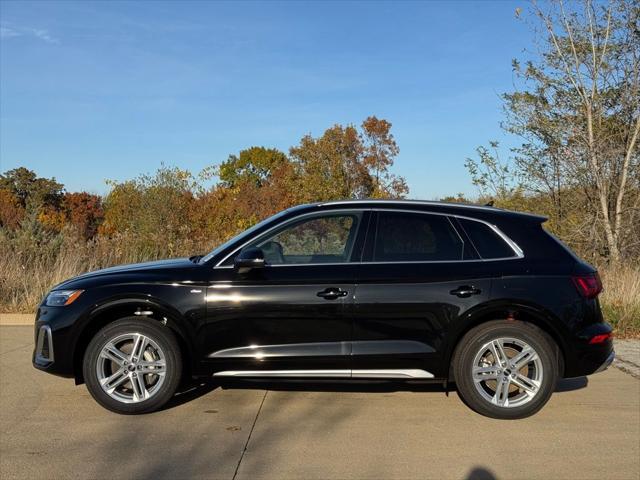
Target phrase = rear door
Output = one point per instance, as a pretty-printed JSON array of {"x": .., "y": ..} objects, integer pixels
[{"x": 419, "y": 275}]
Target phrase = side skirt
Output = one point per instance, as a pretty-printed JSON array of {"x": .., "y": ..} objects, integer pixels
[{"x": 383, "y": 373}]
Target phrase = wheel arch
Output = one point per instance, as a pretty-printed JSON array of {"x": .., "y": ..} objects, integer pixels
[
  {"x": 510, "y": 311},
  {"x": 142, "y": 309}
]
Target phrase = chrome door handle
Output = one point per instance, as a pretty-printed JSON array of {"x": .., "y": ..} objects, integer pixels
[
  {"x": 332, "y": 293},
  {"x": 465, "y": 291}
]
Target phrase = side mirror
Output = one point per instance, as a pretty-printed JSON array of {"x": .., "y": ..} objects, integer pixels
[{"x": 249, "y": 259}]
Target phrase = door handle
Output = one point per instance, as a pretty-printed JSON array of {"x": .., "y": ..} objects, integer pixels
[
  {"x": 332, "y": 293},
  {"x": 465, "y": 291}
]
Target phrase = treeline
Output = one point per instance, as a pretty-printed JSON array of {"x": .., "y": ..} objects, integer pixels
[
  {"x": 48, "y": 234},
  {"x": 171, "y": 212}
]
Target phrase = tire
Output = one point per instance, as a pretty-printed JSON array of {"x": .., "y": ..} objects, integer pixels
[
  {"x": 137, "y": 361},
  {"x": 517, "y": 391}
]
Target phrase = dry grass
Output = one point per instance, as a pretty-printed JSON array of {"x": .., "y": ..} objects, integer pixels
[
  {"x": 29, "y": 273},
  {"x": 620, "y": 299}
]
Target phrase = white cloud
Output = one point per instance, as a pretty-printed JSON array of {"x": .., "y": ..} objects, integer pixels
[
  {"x": 6, "y": 32},
  {"x": 44, "y": 35},
  {"x": 39, "y": 33}
]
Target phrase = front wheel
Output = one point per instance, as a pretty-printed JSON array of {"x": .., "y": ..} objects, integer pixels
[
  {"x": 132, "y": 366},
  {"x": 506, "y": 369}
]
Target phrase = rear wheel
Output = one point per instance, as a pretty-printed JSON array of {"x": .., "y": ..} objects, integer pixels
[
  {"x": 132, "y": 366},
  {"x": 505, "y": 369}
]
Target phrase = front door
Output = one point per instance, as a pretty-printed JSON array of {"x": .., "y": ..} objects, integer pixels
[
  {"x": 292, "y": 317},
  {"x": 414, "y": 282}
]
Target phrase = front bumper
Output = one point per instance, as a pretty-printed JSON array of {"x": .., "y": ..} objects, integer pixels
[
  {"x": 53, "y": 342},
  {"x": 607, "y": 363}
]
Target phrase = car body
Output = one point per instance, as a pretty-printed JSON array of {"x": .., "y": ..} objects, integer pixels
[{"x": 346, "y": 289}]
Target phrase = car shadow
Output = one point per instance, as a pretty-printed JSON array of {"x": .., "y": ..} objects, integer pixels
[
  {"x": 480, "y": 473},
  {"x": 332, "y": 385},
  {"x": 571, "y": 384},
  {"x": 190, "y": 391},
  {"x": 197, "y": 388}
]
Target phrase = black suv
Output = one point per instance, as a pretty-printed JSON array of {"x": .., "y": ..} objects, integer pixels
[{"x": 410, "y": 290}]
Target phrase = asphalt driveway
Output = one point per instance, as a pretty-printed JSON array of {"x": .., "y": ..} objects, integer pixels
[{"x": 51, "y": 429}]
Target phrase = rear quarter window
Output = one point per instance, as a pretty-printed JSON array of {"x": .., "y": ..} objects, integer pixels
[{"x": 487, "y": 242}]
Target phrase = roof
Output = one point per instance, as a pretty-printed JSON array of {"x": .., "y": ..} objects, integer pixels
[{"x": 448, "y": 207}]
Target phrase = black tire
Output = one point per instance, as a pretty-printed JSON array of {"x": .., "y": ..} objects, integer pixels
[
  {"x": 472, "y": 343},
  {"x": 158, "y": 333}
]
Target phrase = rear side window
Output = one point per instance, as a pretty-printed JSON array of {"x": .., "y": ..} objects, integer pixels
[
  {"x": 414, "y": 237},
  {"x": 487, "y": 242}
]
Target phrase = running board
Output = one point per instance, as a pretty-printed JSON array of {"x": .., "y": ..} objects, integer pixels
[{"x": 384, "y": 373}]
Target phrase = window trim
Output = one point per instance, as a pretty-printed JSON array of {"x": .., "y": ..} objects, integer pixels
[
  {"x": 359, "y": 212},
  {"x": 519, "y": 254}
]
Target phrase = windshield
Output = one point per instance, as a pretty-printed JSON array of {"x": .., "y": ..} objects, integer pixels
[{"x": 240, "y": 236}]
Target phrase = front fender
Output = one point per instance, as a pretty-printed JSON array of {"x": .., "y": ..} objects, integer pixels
[{"x": 143, "y": 306}]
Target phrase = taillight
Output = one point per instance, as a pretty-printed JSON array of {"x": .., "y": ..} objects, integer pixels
[
  {"x": 603, "y": 337},
  {"x": 589, "y": 286}
]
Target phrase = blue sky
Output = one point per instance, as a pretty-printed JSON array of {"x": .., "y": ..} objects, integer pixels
[{"x": 97, "y": 90}]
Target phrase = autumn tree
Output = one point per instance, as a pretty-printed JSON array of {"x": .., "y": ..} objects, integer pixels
[
  {"x": 346, "y": 163},
  {"x": 32, "y": 192},
  {"x": 84, "y": 211},
  {"x": 27, "y": 195},
  {"x": 252, "y": 185},
  {"x": 380, "y": 151},
  {"x": 255, "y": 164},
  {"x": 12, "y": 212},
  {"x": 153, "y": 210}
]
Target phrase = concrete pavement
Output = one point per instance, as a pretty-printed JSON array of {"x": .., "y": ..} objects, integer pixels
[{"x": 51, "y": 429}]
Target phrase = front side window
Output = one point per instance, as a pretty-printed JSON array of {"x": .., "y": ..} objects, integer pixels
[
  {"x": 325, "y": 239},
  {"x": 415, "y": 237}
]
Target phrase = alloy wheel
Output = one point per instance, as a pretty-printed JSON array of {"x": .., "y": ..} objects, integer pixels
[
  {"x": 507, "y": 372},
  {"x": 131, "y": 367}
]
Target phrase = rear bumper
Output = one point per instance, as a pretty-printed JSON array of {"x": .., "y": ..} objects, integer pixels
[{"x": 607, "y": 363}]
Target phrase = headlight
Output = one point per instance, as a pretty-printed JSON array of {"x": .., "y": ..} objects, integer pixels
[{"x": 58, "y": 298}]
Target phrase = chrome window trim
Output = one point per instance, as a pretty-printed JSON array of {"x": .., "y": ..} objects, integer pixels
[{"x": 519, "y": 254}]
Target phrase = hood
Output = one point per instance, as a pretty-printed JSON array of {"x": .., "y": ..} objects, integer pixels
[{"x": 155, "y": 266}]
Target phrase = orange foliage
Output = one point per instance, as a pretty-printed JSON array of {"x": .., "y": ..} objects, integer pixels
[
  {"x": 11, "y": 211},
  {"x": 52, "y": 219},
  {"x": 84, "y": 211}
]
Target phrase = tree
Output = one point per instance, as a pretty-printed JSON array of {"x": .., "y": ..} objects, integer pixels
[
  {"x": 11, "y": 211},
  {"x": 84, "y": 211},
  {"x": 154, "y": 210},
  {"x": 331, "y": 166},
  {"x": 255, "y": 164},
  {"x": 346, "y": 163},
  {"x": 578, "y": 113},
  {"x": 380, "y": 151},
  {"x": 31, "y": 191}
]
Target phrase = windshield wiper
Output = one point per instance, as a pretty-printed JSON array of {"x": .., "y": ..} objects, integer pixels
[{"x": 195, "y": 258}]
